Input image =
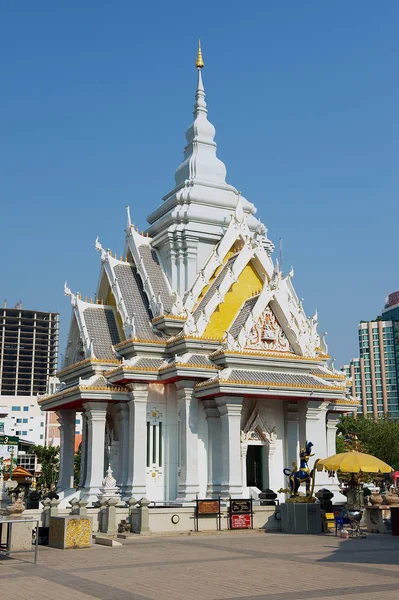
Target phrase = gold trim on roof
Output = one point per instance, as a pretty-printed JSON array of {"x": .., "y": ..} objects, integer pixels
[
  {"x": 187, "y": 366},
  {"x": 268, "y": 384},
  {"x": 77, "y": 388},
  {"x": 349, "y": 402},
  {"x": 140, "y": 340},
  {"x": 328, "y": 376},
  {"x": 281, "y": 355},
  {"x": 131, "y": 368},
  {"x": 168, "y": 316},
  {"x": 87, "y": 361}
]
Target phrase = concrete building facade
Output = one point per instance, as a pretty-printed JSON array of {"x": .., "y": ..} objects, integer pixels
[
  {"x": 375, "y": 373},
  {"x": 28, "y": 357}
]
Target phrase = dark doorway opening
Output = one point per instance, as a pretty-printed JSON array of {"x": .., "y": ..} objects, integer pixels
[{"x": 254, "y": 466}]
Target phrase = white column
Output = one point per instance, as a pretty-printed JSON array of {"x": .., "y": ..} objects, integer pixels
[
  {"x": 122, "y": 414},
  {"x": 188, "y": 486},
  {"x": 66, "y": 420},
  {"x": 96, "y": 413},
  {"x": 315, "y": 428},
  {"x": 332, "y": 483},
  {"x": 214, "y": 450},
  {"x": 332, "y": 422},
  {"x": 291, "y": 434},
  {"x": 230, "y": 413},
  {"x": 275, "y": 465},
  {"x": 136, "y": 485},
  {"x": 244, "y": 451},
  {"x": 83, "y": 454}
]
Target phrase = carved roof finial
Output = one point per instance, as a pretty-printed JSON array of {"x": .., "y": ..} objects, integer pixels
[
  {"x": 129, "y": 221},
  {"x": 199, "y": 62}
]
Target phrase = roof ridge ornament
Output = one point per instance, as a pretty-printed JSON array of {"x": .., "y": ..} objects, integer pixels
[
  {"x": 129, "y": 221},
  {"x": 239, "y": 212},
  {"x": 199, "y": 62}
]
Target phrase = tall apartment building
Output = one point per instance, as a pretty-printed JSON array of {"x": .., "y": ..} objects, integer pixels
[
  {"x": 375, "y": 374},
  {"x": 28, "y": 357}
]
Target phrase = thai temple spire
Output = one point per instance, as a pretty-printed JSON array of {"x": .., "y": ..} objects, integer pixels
[
  {"x": 196, "y": 213},
  {"x": 200, "y": 160}
]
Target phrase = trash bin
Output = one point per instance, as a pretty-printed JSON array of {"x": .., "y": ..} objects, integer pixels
[{"x": 395, "y": 520}]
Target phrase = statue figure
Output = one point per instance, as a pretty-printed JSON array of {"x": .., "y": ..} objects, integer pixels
[{"x": 302, "y": 475}]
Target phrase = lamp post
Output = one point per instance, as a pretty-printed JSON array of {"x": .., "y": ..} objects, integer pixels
[{"x": 11, "y": 459}]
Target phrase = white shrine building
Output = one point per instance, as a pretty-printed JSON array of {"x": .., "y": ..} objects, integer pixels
[{"x": 197, "y": 372}]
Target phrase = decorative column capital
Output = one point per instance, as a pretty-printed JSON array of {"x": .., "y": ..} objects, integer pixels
[
  {"x": 185, "y": 385},
  {"x": 230, "y": 406},
  {"x": 292, "y": 414},
  {"x": 121, "y": 411},
  {"x": 211, "y": 409},
  {"x": 333, "y": 420},
  {"x": 95, "y": 411},
  {"x": 315, "y": 407},
  {"x": 66, "y": 416},
  {"x": 139, "y": 392}
]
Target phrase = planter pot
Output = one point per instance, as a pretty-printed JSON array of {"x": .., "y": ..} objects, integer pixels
[
  {"x": 16, "y": 508},
  {"x": 391, "y": 499},
  {"x": 375, "y": 499}
]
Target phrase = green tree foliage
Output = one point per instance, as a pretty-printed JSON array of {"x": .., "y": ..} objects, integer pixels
[
  {"x": 377, "y": 437},
  {"x": 48, "y": 457},
  {"x": 76, "y": 465}
]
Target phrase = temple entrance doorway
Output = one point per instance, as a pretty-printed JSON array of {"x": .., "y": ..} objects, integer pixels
[{"x": 254, "y": 466}]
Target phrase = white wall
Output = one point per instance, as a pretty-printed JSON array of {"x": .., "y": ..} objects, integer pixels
[{"x": 33, "y": 429}]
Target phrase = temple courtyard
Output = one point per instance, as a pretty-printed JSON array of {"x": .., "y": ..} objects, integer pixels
[{"x": 239, "y": 566}]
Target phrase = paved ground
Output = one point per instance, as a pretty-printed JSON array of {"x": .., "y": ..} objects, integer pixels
[{"x": 233, "y": 566}]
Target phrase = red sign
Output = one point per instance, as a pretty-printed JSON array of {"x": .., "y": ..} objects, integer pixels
[{"x": 240, "y": 521}]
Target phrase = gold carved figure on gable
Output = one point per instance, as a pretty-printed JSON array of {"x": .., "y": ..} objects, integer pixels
[{"x": 267, "y": 334}]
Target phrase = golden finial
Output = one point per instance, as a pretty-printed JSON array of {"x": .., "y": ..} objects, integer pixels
[
  {"x": 91, "y": 300},
  {"x": 120, "y": 258},
  {"x": 85, "y": 298},
  {"x": 200, "y": 62}
]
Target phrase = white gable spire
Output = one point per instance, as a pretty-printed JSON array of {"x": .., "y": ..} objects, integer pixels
[{"x": 200, "y": 160}]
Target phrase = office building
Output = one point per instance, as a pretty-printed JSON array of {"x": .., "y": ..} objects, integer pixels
[
  {"x": 29, "y": 356},
  {"x": 375, "y": 373}
]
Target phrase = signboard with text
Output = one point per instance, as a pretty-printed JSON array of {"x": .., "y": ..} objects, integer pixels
[
  {"x": 241, "y": 513},
  {"x": 207, "y": 507},
  {"x": 240, "y": 522},
  {"x": 9, "y": 440}
]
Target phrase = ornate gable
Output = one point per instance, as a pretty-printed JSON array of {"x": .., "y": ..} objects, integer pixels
[
  {"x": 257, "y": 431},
  {"x": 267, "y": 334}
]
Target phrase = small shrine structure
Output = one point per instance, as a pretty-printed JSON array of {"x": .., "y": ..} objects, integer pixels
[{"x": 197, "y": 370}]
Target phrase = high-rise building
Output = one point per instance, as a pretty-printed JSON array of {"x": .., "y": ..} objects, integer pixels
[
  {"x": 375, "y": 374},
  {"x": 28, "y": 357},
  {"x": 29, "y": 350}
]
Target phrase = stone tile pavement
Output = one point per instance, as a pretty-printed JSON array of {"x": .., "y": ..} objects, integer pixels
[{"x": 228, "y": 566}]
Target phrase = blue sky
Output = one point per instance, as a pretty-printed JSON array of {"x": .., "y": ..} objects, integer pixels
[{"x": 96, "y": 97}]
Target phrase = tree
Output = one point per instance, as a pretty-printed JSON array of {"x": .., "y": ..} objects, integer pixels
[
  {"x": 48, "y": 457},
  {"x": 76, "y": 465},
  {"x": 377, "y": 437}
]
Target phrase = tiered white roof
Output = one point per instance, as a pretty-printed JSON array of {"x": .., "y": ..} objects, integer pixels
[{"x": 161, "y": 301}]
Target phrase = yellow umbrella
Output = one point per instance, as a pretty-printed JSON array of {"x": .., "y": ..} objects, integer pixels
[{"x": 353, "y": 462}]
